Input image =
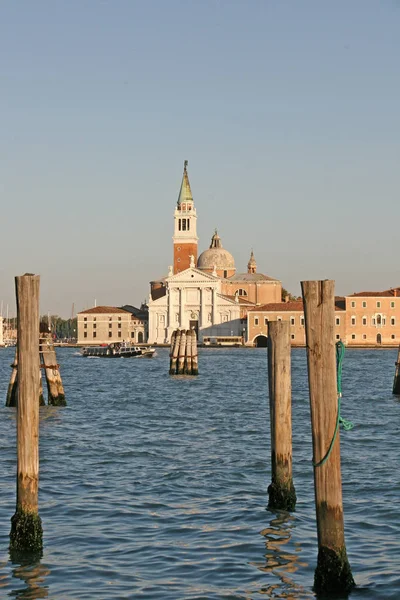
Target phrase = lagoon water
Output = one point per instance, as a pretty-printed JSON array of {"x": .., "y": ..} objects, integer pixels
[{"x": 155, "y": 487}]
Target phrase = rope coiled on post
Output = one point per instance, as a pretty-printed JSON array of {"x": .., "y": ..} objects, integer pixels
[{"x": 347, "y": 425}]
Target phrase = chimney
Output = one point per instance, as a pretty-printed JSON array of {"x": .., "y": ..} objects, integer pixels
[{"x": 287, "y": 298}]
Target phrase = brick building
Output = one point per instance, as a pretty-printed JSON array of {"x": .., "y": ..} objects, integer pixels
[{"x": 364, "y": 319}]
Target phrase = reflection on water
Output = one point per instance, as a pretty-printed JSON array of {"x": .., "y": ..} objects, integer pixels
[
  {"x": 33, "y": 576},
  {"x": 279, "y": 561}
]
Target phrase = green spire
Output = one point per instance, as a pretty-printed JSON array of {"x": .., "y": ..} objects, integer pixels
[{"x": 185, "y": 194}]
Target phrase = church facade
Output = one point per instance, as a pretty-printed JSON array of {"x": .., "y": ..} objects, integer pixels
[{"x": 204, "y": 292}]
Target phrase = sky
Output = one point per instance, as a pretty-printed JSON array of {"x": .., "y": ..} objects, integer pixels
[{"x": 287, "y": 111}]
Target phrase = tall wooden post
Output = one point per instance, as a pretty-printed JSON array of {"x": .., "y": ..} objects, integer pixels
[
  {"x": 26, "y": 526},
  {"x": 333, "y": 573},
  {"x": 175, "y": 342},
  {"x": 55, "y": 389},
  {"x": 188, "y": 357},
  {"x": 396, "y": 381},
  {"x": 182, "y": 352},
  {"x": 281, "y": 492},
  {"x": 195, "y": 359},
  {"x": 11, "y": 399}
]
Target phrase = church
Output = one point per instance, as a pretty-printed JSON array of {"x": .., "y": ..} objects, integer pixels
[{"x": 204, "y": 292}]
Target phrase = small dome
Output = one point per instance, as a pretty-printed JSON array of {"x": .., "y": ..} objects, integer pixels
[{"x": 216, "y": 256}]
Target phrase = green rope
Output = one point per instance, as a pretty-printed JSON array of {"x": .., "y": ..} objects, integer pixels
[{"x": 347, "y": 425}]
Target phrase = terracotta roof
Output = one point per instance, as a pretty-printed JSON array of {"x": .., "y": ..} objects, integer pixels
[
  {"x": 393, "y": 292},
  {"x": 292, "y": 306},
  {"x": 103, "y": 310}
]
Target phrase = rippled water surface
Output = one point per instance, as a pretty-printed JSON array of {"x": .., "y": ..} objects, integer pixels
[{"x": 156, "y": 487}]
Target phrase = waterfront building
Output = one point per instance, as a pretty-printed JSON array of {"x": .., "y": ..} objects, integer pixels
[
  {"x": 373, "y": 318},
  {"x": 292, "y": 311},
  {"x": 109, "y": 324},
  {"x": 363, "y": 319},
  {"x": 204, "y": 292}
]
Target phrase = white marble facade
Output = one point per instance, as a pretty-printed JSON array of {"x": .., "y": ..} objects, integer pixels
[{"x": 193, "y": 299}]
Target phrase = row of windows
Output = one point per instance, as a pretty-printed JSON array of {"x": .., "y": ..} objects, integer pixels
[
  {"x": 95, "y": 319},
  {"x": 109, "y": 325},
  {"x": 353, "y": 337},
  {"x": 378, "y": 304},
  {"x": 109, "y": 334},
  {"x": 184, "y": 224},
  {"x": 378, "y": 320}
]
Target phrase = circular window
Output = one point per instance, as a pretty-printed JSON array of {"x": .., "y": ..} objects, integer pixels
[
  {"x": 179, "y": 248},
  {"x": 179, "y": 260}
]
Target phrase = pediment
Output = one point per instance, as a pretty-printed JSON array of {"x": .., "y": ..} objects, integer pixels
[{"x": 192, "y": 275}]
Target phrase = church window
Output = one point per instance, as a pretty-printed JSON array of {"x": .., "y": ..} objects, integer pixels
[
  {"x": 379, "y": 320},
  {"x": 188, "y": 224},
  {"x": 241, "y": 292},
  {"x": 179, "y": 224},
  {"x": 183, "y": 224},
  {"x": 183, "y": 206}
]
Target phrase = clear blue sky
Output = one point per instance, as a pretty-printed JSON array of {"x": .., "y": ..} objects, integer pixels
[{"x": 288, "y": 112}]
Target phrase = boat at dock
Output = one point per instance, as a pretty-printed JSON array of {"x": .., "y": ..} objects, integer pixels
[{"x": 116, "y": 350}]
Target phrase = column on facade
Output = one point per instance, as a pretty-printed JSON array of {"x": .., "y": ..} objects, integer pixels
[
  {"x": 203, "y": 314},
  {"x": 181, "y": 308},
  {"x": 214, "y": 306},
  {"x": 169, "y": 309}
]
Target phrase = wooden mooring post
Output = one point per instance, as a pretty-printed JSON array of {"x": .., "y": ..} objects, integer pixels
[
  {"x": 55, "y": 390},
  {"x": 282, "y": 495},
  {"x": 26, "y": 536},
  {"x": 333, "y": 573},
  {"x": 396, "y": 381},
  {"x": 183, "y": 353},
  {"x": 11, "y": 399}
]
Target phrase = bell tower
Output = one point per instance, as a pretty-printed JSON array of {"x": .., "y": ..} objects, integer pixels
[{"x": 185, "y": 218}]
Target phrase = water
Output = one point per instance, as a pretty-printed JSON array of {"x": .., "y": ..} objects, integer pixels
[{"x": 155, "y": 487}]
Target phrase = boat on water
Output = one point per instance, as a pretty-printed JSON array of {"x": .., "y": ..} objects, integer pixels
[{"x": 116, "y": 350}]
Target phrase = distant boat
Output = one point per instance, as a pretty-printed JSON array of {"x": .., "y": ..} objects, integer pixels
[{"x": 124, "y": 350}]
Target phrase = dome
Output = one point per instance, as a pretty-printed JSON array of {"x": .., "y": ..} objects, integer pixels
[{"x": 216, "y": 256}]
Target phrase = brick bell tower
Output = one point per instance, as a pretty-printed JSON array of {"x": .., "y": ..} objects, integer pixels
[{"x": 185, "y": 218}]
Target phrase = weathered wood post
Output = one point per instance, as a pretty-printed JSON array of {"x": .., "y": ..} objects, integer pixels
[
  {"x": 55, "y": 389},
  {"x": 171, "y": 354},
  {"x": 195, "y": 360},
  {"x": 333, "y": 573},
  {"x": 281, "y": 492},
  {"x": 11, "y": 399},
  {"x": 41, "y": 396},
  {"x": 182, "y": 351},
  {"x": 188, "y": 358},
  {"x": 26, "y": 534},
  {"x": 396, "y": 381},
  {"x": 175, "y": 343}
]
